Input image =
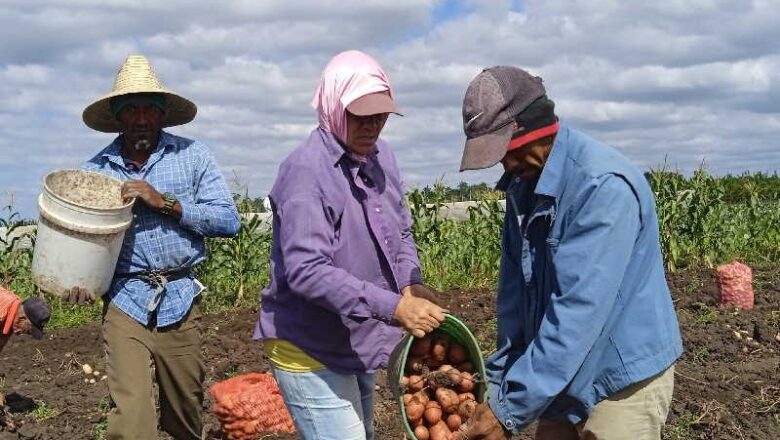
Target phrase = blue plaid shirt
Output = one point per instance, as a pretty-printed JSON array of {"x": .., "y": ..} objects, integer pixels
[{"x": 186, "y": 169}]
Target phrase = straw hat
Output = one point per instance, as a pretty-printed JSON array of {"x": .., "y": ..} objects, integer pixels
[{"x": 136, "y": 76}]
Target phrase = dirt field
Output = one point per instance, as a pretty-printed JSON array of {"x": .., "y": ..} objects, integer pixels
[{"x": 728, "y": 382}]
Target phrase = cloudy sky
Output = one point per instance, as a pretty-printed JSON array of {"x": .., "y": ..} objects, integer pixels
[{"x": 679, "y": 82}]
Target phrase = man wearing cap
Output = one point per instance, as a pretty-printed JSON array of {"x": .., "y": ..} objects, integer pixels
[
  {"x": 587, "y": 333},
  {"x": 151, "y": 310},
  {"x": 31, "y": 317}
]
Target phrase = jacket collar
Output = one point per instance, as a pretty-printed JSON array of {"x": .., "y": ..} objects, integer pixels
[{"x": 552, "y": 180}]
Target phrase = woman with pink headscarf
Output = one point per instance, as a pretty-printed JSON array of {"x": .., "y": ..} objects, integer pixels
[{"x": 345, "y": 278}]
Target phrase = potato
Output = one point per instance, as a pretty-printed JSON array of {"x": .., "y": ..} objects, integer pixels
[
  {"x": 421, "y": 432},
  {"x": 448, "y": 399},
  {"x": 446, "y": 376},
  {"x": 456, "y": 353},
  {"x": 440, "y": 431},
  {"x": 407, "y": 398},
  {"x": 414, "y": 365},
  {"x": 433, "y": 364},
  {"x": 250, "y": 427},
  {"x": 452, "y": 372},
  {"x": 439, "y": 349},
  {"x": 234, "y": 426},
  {"x": 420, "y": 397},
  {"x": 414, "y": 411},
  {"x": 421, "y": 346},
  {"x": 466, "y": 366},
  {"x": 432, "y": 412},
  {"x": 466, "y": 383},
  {"x": 466, "y": 409},
  {"x": 466, "y": 396},
  {"x": 453, "y": 422},
  {"x": 416, "y": 383}
]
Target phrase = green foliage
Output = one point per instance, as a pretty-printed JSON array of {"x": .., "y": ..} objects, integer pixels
[
  {"x": 64, "y": 315},
  {"x": 244, "y": 203},
  {"x": 705, "y": 220},
  {"x": 705, "y": 314},
  {"x": 100, "y": 429},
  {"x": 700, "y": 355},
  {"x": 16, "y": 244},
  {"x": 236, "y": 265},
  {"x": 463, "y": 253},
  {"x": 461, "y": 193},
  {"x": 42, "y": 411}
]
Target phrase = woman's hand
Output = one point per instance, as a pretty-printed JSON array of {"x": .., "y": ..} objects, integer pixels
[
  {"x": 418, "y": 314},
  {"x": 422, "y": 291}
]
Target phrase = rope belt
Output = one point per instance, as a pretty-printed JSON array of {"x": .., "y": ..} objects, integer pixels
[{"x": 158, "y": 279}]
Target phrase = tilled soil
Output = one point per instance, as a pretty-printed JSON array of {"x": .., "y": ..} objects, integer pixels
[{"x": 727, "y": 383}]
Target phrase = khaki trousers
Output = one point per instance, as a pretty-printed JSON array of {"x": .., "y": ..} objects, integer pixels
[
  {"x": 175, "y": 352},
  {"x": 635, "y": 413}
]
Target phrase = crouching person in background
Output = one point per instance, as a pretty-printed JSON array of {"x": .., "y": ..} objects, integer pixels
[
  {"x": 21, "y": 317},
  {"x": 151, "y": 311}
]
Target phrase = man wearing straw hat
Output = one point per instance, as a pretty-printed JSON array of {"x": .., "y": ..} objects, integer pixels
[{"x": 151, "y": 310}]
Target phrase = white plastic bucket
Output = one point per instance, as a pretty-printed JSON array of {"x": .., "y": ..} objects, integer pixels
[{"x": 81, "y": 227}]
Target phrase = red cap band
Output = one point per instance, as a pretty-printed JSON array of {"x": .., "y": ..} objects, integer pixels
[{"x": 533, "y": 136}]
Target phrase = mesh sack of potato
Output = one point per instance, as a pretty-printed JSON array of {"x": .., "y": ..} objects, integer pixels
[
  {"x": 437, "y": 380},
  {"x": 248, "y": 405},
  {"x": 735, "y": 282}
]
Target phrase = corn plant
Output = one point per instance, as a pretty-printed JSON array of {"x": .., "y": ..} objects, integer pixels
[
  {"x": 708, "y": 221},
  {"x": 237, "y": 264},
  {"x": 457, "y": 253},
  {"x": 704, "y": 220},
  {"x": 15, "y": 252}
]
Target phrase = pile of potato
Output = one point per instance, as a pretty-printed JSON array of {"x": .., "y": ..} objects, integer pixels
[{"x": 438, "y": 385}]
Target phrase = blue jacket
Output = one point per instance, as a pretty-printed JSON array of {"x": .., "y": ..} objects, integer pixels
[{"x": 583, "y": 305}]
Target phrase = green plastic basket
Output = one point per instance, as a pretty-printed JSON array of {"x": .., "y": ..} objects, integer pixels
[{"x": 458, "y": 332}]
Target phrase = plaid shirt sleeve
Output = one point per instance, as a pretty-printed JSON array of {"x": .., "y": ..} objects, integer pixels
[{"x": 212, "y": 213}]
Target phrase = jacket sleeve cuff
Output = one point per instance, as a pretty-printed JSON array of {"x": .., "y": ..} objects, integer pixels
[
  {"x": 381, "y": 302},
  {"x": 502, "y": 412}
]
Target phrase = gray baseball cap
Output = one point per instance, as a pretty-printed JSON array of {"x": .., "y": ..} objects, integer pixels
[
  {"x": 38, "y": 313},
  {"x": 492, "y": 101}
]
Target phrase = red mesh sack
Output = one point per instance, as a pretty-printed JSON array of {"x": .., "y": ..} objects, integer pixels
[
  {"x": 735, "y": 281},
  {"x": 248, "y": 405}
]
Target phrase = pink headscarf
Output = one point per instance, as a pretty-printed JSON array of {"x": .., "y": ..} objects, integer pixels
[{"x": 348, "y": 76}]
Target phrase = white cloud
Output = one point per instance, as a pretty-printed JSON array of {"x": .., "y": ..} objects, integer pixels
[{"x": 680, "y": 80}]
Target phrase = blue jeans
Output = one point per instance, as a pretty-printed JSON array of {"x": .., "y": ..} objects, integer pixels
[{"x": 326, "y": 405}]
